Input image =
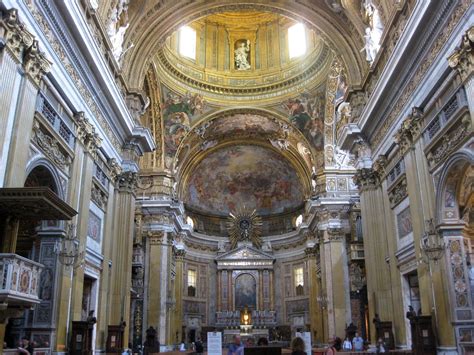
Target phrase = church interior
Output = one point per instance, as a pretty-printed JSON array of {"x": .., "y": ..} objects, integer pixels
[{"x": 262, "y": 169}]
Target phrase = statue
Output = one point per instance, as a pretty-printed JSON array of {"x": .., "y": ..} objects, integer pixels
[
  {"x": 118, "y": 25},
  {"x": 373, "y": 33},
  {"x": 411, "y": 314},
  {"x": 241, "y": 56}
]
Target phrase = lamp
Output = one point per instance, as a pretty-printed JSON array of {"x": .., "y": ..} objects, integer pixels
[
  {"x": 322, "y": 301},
  {"x": 432, "y": 247},
  {"x": 431, "y": 244},
  {"x": 68, "y": 249}
]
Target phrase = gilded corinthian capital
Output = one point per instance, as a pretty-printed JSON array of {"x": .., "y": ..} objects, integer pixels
[
  {"x": 86, "y": 133},
  {"x": 462, "y": 59},
  {"x": 13, "y": 34},
  {"x": 366, "y": 178},
  {"x": 35, "y": 63}
]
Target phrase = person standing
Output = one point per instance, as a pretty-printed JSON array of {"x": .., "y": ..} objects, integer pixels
[
  {"x": 26, "y": 347},
  {"x": 357, "y": 343},
  {"x": 347, "y": 345},
  {"x": 298, "y": 346},
  {"x": 236, "y": 347},
  {"x": 198, "y": 347}
]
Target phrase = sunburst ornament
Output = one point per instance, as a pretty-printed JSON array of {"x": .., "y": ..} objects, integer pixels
[{"x": 244, "y": 225}]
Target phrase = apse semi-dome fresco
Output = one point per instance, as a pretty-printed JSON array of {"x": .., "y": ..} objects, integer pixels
[{"x": 244, "y": 176}]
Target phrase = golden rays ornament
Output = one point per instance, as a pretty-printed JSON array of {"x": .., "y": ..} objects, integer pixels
[{"x": 244, "y": 225}]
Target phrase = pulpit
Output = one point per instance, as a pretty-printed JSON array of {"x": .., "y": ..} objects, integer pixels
[
  {"x": 423, "y": 337},
  {"x": 81, "y": 339},
  {"x": 115, "y": 338}
]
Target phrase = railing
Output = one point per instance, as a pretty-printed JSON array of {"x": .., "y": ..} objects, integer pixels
[
  {"x": 259, "y": 318},
  {"x": 19, "y": 280},
  {"x": 101, "y": 176},
  {"x": 356, "y": 252},
  {"x": 455, "y": 103},
  {"x": 55, "y": 119}
]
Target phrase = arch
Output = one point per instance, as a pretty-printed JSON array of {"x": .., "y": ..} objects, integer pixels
[
  {"x": 45, "y": 168},
  {"x": 447, "y": 188},
  {"x": 161, "y": 20}
]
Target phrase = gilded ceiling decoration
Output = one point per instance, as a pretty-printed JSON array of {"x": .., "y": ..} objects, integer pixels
[
  {"x": 244, "y": 226},
  {"x": 152, "y": 23},
  {"x": 248, "y": 175},
  {"x": 242, "y": 56}
]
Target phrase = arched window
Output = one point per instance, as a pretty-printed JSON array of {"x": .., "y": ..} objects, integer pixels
[{"x": 192, "y": 283}]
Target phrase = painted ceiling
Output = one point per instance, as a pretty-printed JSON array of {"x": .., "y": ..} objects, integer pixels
[{"x": 247, "y": 176}]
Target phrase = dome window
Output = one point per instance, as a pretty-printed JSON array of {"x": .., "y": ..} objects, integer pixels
[
  {"x": 296, "y": 40},
  {"x": 187, "y": 42}
]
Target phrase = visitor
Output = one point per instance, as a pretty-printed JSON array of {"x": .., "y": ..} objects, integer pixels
[
  {"x": 298, "y": 347},
  {"x": 25, "y": 347},
  {"x": 262, "y": 341},
  {"x": 236, "y": 347},
  {"x": 198, "y": 348},
  {"x": 357, "y": 343},
  {"x": 182, "y": 346},
  {"x": 331, "y": 350},
  {"x": 250, "y": 342},
  {"x": 347, "y": 345},
  {"x": 380, "y": 346}
]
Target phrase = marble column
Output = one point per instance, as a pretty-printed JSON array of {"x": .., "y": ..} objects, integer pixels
[
  {"x": 421, "y": 192},
  {"x": 315, "y": 311},
  {"x": 336, "y": 275},
  {"x": 374, "y": 225},
  {"x": 35, "y": 65},
  {"x": 15, "y": 39},
  {"x": 70, "y": 284},
  {"x": 177, "y": 314},
  {"x": 126, "y": 183}
]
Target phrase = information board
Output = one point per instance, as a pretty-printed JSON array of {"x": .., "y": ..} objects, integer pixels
[{"x": 214, "y": 343}]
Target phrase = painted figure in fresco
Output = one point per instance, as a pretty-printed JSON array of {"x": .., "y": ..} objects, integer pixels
[
  {"x": 177, "y": 112},
  {"x": 306, "y": 113},
  {"x": 241, "y": 55}
]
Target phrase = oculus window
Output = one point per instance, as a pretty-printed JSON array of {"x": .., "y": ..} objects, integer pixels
[
  {"x": 187, "y": 42},
  {"x": 296, "y": 40}
]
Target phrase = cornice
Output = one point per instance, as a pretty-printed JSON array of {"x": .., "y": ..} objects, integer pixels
[{"x": 312, "y": 76}]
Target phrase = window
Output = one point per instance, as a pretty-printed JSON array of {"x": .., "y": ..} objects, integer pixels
[
  {"x": 299, "y": 281},
  {"x": 191, "y": 283},
  {"x": 187, "y": 42},
  {"x": 298, "y": 220},
  {"x": 190, "y": 221},
  {"x": 296, "y": 40}
]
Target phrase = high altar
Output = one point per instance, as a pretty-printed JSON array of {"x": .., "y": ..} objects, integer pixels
[{"x": 245, "y": 300}]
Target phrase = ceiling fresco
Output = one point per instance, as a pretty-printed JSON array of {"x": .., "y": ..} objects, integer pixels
[
  {"x": 244, "y": 176},
  {"x": 306, "y": 112},
  {"x": 178, "y": 113}
]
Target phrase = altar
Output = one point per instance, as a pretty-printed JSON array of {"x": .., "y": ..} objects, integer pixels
[{"x": 245, "y": 299}]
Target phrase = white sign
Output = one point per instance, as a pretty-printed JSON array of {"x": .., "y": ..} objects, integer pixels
[
  {"x": 306, "y": 336},
  {"x": 214, "y": 343}
]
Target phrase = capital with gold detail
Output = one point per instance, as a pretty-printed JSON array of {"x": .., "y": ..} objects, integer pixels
[
  {"x": 366, "y": 178},
  {"x": 86, "y": 134},
  {"x": 410, "y": 130},
  {"x": 127, "y": 181},
  {"x": 462, "y": 59}
]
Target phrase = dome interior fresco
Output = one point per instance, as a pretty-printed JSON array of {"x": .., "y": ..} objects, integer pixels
[{"x": 244, "y": 176}]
